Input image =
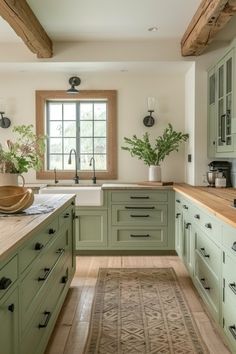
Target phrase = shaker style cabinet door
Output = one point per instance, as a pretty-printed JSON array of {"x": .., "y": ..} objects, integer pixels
[
  {"x": 211, "y": 128},
  {"x": 224, "y": 104}
]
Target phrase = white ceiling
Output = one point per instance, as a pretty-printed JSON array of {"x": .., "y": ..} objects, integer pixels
[{"x": 89, "y": 20}]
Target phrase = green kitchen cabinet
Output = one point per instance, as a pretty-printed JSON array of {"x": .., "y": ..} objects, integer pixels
[
  {"x": 9, "y": 332},
  {"x": 91, "y": 229},
  {"x": 221, "y": 107},
  {"x": 141, "y": 219},
  {"x": 178, "y": 226}
]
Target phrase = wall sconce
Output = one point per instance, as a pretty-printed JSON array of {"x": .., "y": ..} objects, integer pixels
[
  {"x": 4, "y": 121},
  {"x": 74, "y": 81},
  {"x": 149, "y": 121}
]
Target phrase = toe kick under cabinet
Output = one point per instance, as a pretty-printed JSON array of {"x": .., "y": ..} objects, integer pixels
[
  {"x": 140, "y": 219},
  {"x": 34, "y": 280}
]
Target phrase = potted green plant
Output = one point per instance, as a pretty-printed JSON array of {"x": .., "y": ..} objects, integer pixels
[
  {"x": 152, "y": 156},
  {"x": 20, "y": 156}
]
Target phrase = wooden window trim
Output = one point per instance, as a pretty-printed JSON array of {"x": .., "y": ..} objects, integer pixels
[{"x": 111, "y": 96}]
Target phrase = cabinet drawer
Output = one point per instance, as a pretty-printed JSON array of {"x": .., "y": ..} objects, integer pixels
[
  {"x": 139, "y": 238},
  {"x": 44, "y": 314},
  {"x": 229, "y": 277},
  {"x": 140, "y": 196},
  {"x": 139, "y": 215},
  {"x": 66, "y": 216},
  {"x": 208, "y": 251},
  {"x": 37, "y": 244},
  {"x": 210, "y": 224},
  {"x": 208, "y": 285},
  {"x": 8, "y": 275},
  {"x": 37, "y": 279},
  {"x": 229, "y": 316}
]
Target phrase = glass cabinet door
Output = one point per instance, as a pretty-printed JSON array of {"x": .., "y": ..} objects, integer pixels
[
  {"x": 224, "y": 104},
  {"x": 211, "y": 127}
]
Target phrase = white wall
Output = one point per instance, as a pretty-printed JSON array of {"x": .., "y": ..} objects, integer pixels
[{"x": 18, "y": 89}]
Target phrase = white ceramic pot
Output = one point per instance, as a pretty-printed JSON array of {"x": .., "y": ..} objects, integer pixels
[
  {"x": 10, "y": 179},
  {"x": 154, "y": 173}
]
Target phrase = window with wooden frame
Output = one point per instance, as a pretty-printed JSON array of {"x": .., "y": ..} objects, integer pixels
[{"x": 85, "y": 122}]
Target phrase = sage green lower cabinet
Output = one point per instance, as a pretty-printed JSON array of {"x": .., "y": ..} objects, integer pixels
[
  {"x": 91, "y": 229},
  {"x": 141, "y": 219},
  {"x": 9, "y": 331},
  {"x": 34, "y": 281}
]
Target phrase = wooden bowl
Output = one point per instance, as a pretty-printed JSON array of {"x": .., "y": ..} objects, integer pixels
[
  {"x": 18, "y": 199},
  {"x": 10, "y": 195}
]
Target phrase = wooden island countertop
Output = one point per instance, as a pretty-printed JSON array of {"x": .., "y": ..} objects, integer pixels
[
  {"x": 17, "y": 228},
  {"x": 218, "y": 201}
]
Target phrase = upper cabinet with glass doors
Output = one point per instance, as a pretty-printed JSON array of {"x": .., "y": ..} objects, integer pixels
[{"x": 221, "y": 134}]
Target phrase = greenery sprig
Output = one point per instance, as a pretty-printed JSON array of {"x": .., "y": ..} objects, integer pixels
[
  {"x": 24, "y": 154},
  {"x": 163, "y": 146}
]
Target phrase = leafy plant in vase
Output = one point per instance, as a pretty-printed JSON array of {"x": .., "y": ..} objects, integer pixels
[
  {"x": 20, "y": 156},
  {"x": 154, "y": 155}
]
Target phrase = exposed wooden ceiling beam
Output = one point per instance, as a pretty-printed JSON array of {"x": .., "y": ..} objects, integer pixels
[
  {"x": 210, "y": 18},
  {"x": 26, "y": 25}
]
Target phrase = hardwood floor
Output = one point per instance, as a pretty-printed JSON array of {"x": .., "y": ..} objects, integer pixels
[{"x": 70, "y": 332}]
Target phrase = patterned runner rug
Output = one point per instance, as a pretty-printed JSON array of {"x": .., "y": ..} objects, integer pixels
[{"x": 141, "y": 311}]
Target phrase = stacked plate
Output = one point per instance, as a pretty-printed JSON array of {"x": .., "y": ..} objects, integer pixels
[{"x": 14, "y": 199}]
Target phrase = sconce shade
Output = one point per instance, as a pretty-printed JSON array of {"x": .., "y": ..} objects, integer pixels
[{"x": 74, "y": 81}]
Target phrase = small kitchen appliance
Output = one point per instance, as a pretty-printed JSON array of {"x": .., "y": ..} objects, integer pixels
[{"x": 219, "y": 169}]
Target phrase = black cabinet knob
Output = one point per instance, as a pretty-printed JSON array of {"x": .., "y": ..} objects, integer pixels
[
  {"x": 11, "y": 308},
  {"x": 64, "y": 279},
  {"x": 66, "y": 215},
  {"x": 5, "y": 283},
  {"x": 197, "y": 216},
  {"x": 208, "y": 225},
  {"x": 38, "y": 246},
  {"x": 51, "y": 231}
]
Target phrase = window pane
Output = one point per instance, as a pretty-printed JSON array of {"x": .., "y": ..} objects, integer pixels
[
  {"x": 100, "y": 111},
  {"x": 69, "y": 166},
  {"x": 69, "y": 143},
  {"x": 55, "y": 161},
  {"x": 84, "y": 162},
  {"x": 55, "y": 129},
  {"x": 101, "y": 162},
  {"x": 86, "y": 128},
  {"x": 70, "y": 129},
  {"x": 100, "y": 129},
  {"x": 99, "y": 145},
  {"x": 55, "y": 111},
  {"x": 86, "y": 145},
  {"x": 86, "y": 111},
  {"x": 55, "y": 145},
  {"x": 69, "y": 111}
]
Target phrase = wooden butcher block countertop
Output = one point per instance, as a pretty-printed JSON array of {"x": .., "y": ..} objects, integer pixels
[
  {"x": 16, "y": 228},
  {"x": 218, "y": 201}
]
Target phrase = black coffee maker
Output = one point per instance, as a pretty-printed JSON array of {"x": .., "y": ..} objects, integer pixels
[{"x": 224, "y": 167}]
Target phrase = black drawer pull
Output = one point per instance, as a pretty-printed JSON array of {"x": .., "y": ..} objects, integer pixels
[
  {"x": 60, "y": 250},
  {"x": 46, "y": 274},
  {"x": 208, "y": 225},
  {"x": 139, "y": 216},
  {"x": 187, "y": 225},
  {"x": 140, "y": 197},
  {"x": 177, "y": 201},
  {"x": 203, "y": 252},
  {"x": 144, "y": 235},
  {"x": 48, "y": 315},
  {"x": 197, "y": 216},
  {"x": 64, "y": 279},
  {"x": 177, "y": 215},
  {"x": 5, "y": 283},
  {"x": 232, "y": 330},
  {"x": 135, "y": 208},
  {"x": 73, "y": 203},
  {"x": 205, "y": 286},
  {"x": 232, "y": 286},
  {"x": 11, "y": 308},
  {"x": 185, "y": 207},
  {"x": 38, "y": 246},
  {"x": 234, "y": 246},
  {"x": 66, "y": 215},
  {"x": 51, "y": 231}
]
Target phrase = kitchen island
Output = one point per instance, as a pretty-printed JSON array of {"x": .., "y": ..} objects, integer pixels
[{"x": 37, "y": 264}]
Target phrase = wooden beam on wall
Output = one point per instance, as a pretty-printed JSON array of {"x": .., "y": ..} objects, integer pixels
[
  {"x": 26, "y": 25},
  {"x": 210, "y": 18}
]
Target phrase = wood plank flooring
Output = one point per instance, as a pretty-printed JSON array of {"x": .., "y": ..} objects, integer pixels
[{"x": 71, "y": 329}]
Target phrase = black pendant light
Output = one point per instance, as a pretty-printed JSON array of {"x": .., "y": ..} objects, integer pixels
[{"x": 74, "y": 81}]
